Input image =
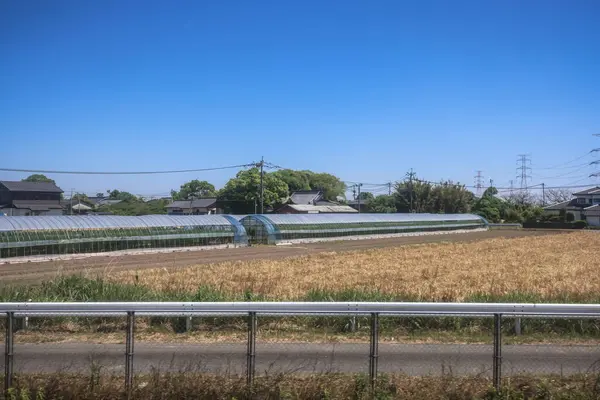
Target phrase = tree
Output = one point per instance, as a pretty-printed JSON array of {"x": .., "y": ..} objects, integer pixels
[
  {"x": 118, "y": 195},
  {"x": 99, "y": 194},
  {"x": 489, "y": 206},
  {"x": 419, "y": 196},
  {"x": 382, "y": 204},
  {"x": 366, "y": 196},
  {"x": 330, "y": 185},
  {"x": 240, "y": 193},
  {"x": 38, "y": 178},
  {"x": 136, "y": 207},
  {"x": 296, "y": 180},
  {"x": 555, "y": 196},
  {"x": 194, "y": 190}
]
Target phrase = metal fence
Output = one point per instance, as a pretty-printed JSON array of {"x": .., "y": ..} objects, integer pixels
[{"x": 253, "y": 312}]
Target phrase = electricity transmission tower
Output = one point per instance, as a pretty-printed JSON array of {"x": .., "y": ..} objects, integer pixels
[
  {"x": 479, "y": 183},
  {"x": 523, "y": 170}
]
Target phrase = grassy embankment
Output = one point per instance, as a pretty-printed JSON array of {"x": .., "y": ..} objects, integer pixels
[{"x": 555, "y": 268}]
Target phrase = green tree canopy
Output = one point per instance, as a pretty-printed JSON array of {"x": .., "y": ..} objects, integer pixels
[
  {"x": 296, "y": 180},
  {"x": 366, "y": 196},
  {"x": 425, "y": 197},
  {"x": 118, "y": 195},
  {"x": 330, "y": 185},
  {"x": 194, "y": 189},
  {"x": 240, "y": 192},
  {"x": 382, "y": 204},
  {"x": 38, "y": 178}
]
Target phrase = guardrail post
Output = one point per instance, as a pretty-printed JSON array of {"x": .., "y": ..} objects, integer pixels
[
  {"x": 374, "y": 350},
  {"x": 497, "y": 368},
  {"x": 129, "y": 352},
  {"x": 9, "y": 352},
  {"x": 251, "y": 351},
  {"x": 517, "y": 326}
]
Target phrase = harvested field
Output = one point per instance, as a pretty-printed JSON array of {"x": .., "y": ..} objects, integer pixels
[
  {"x": 105, "y": 265},
  {"x": 549, "y": 266}
]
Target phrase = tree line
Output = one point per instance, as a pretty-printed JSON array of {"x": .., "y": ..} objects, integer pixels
[{"x": 242, "y": 194}]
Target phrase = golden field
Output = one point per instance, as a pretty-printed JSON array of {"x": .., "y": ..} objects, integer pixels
[{"x": 549, "y": 266}]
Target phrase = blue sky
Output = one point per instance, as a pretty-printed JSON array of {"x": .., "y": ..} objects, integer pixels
[{"x": 364, "y": 90}]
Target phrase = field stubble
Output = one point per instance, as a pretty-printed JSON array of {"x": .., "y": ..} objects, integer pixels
[{"x": 555, "y": 266}]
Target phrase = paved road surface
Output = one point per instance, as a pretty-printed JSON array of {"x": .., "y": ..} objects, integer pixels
[
  {"x": 412, "y": 359},
  {"x": 39, "y": 271}
]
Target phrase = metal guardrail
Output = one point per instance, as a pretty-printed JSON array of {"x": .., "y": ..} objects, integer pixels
[{"x": 255, "y": 309}]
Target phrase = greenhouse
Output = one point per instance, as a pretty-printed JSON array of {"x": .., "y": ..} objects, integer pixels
[
  {"x": 274, "y": 228},
  {"x": 47, "y": 235}
]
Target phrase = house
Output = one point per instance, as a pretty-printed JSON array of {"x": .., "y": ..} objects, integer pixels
[
  {"x": 312, "y": 202},
  {"x": 193, "y": 207},
  {"x": 584, "y": 206},
  {"x": 30, "y": 198},
  {"x": 316, "y": 209}
]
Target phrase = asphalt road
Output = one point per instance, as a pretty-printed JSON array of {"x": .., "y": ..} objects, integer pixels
[
  {"x": 34, "y": 272},
  {"x": 411, "y": 359}
]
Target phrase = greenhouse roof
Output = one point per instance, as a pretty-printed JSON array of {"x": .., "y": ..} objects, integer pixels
[
  {"x": 108, "y": 222},
  {"x": 283, "y": 219}
]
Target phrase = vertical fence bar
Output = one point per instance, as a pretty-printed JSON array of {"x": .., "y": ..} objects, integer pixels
[
  {"x": 129, "y": 352},
  {"x": 9, "y": 352},
  {"x": 374, "y": 350},
  {"x": 497, "y": 368},
  {"x": 251, "y": 352}
]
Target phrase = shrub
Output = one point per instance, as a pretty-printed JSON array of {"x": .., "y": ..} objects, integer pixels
[
  {"x": 570, "y": 217},
  {"x": 580, "y": 224}
]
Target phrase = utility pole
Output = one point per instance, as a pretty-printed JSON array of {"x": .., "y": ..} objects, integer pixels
[
  {"x": 524, "y": 170},
  {"x": 71, "y": 201},
  {"x": 359, "y": 185},
  {"x": 479, "y": 183},
  {"x": 262, "y": 188},
  {"x": 389, "y": 188},
  {"x": 543, "y": 194},
  {"x": 354, "y": 191},
  {"x": 411, "y": 175}
]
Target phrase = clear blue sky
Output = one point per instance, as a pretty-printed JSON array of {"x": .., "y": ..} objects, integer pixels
[{"x": 362, "y": 89}]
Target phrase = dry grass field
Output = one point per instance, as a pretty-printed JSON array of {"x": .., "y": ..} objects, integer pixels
[{"x": 550, "y": 266}]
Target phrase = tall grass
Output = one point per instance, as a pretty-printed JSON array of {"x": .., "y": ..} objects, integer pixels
[
  {"x": 191, "y": 385},
  {"x": 78, "y": 288}
]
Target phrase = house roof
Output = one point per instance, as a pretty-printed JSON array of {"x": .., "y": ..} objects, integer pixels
[
  {"x": 558, "y": 206},
  {"x": 306, "y": 196},
  {"x": 593, "y": 208},
  {"x": 37, "y": 205},
  {"x": 594, "y": 190},
  {"x": 81, "y": 207},
  {"x": 198, "y": 203},
  {"x": 108, "y": 202},
  {"x": 309, "y": 208},
  {"x": 20, "y": 186}
]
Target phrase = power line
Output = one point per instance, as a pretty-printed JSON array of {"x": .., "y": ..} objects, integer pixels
[
  {"x": 41, "y": 171},
  {"x": 566, "y": 163}
]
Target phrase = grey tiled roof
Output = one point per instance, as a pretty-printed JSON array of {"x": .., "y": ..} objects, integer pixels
[{"x": 19, "y": 186}]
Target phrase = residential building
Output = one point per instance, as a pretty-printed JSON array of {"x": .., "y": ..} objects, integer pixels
[
  {"x": 584, "y": 206},
  {"x": 193, "y": 207},
  {"x": 316, "y": 209},
  {"x": 30, "y": 198},
  {"x": 312, "y": 202}
]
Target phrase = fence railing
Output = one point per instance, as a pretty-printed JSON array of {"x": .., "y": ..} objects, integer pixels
[{"x": 254, "y": 310}]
